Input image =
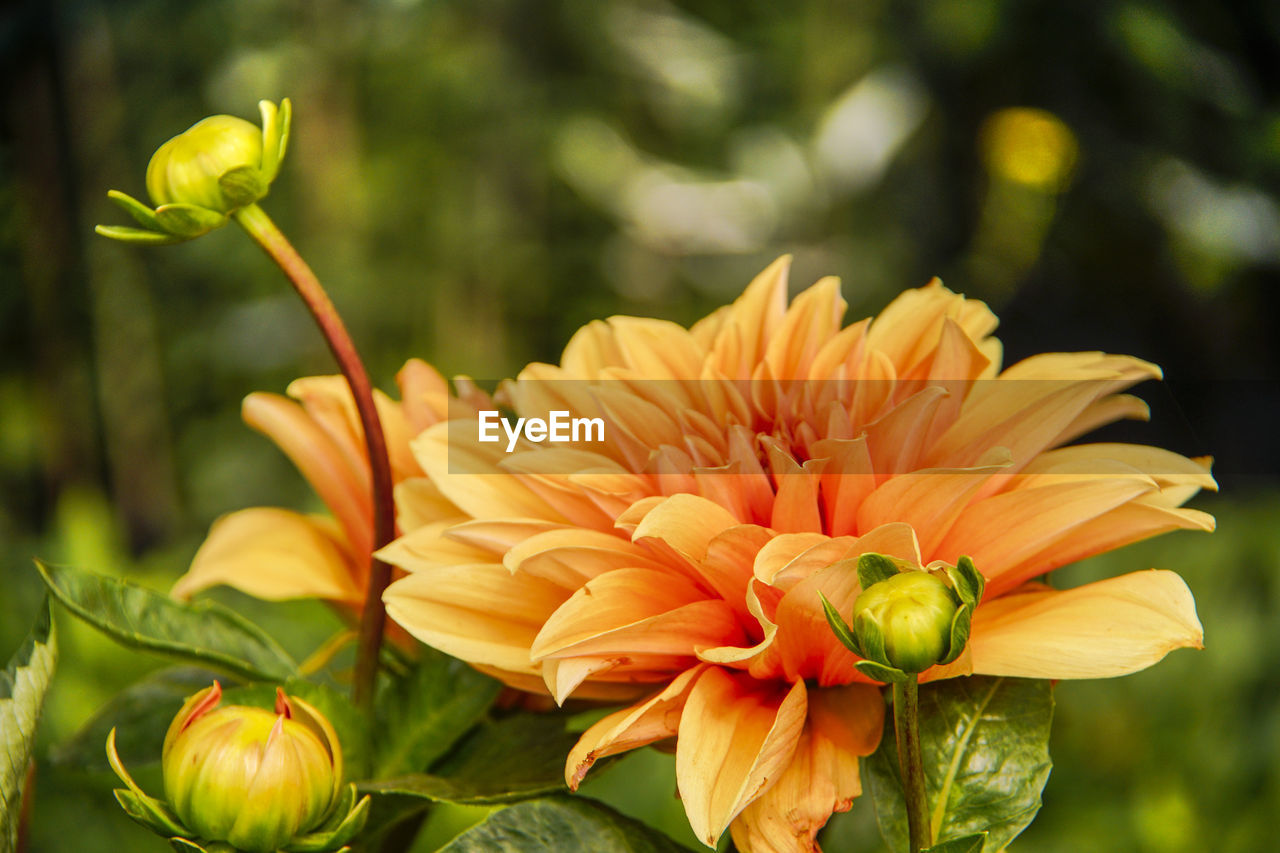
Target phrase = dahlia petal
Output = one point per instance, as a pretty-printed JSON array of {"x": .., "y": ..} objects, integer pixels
[
  {"x": 752, "y": 321},
  {"x": 467, "y": 473},
  {"x": 909, "y": 327},
  {"x": 846, "y": 480},
  {"x": 344, "y": 489},
  {"x": 579, "y": 676},
  {"x": 1165, "y": 467},
  {"x": 806, "y": 645},
  {"x": 1109, "y": 409},
  {"x": 275, "y": 554},
  {"x": 795, "y": 505},
  {"x": 328, "y": 399},
  {"x": 571, "y": 557},
  {"x": 1124, "y": 525},
  {"x": 657, "y": 349},
  {"x": 930, "y": 500},
  {"x": 1103, "y": 629},
  {"x": 424, "y": 395},
  {"x": 683, "y": 526},
  {"x": 654, "y": 719},
  {"x": 478, "y": 612},
  {"x": 429, "y": 546},
  {"x": 998, "y": 533},
  {"x": 496, "y": 535},
  {"x": 644, "y": 611},
  {"x": 814, "y": 316},
  {"x": 822, "y": 778},
  {"x": 419, "y": 502},
  {"x": 736, "y": 736},
  {"x": 789, "y": 557}
]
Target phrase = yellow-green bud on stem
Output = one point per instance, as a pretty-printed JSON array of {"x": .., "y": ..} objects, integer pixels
[
  {"x": 197, "y": 179},
  {"x": 249, "y": 776},
  {"x": 910, "y": 615},
  {"x": 248, "y": 779}
]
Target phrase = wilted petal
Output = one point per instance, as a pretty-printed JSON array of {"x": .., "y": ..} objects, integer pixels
[
  {"x": 822, "y": 778},
  {"x": 1103, "y": 629}
]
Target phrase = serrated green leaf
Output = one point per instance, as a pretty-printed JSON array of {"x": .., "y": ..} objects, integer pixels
[
  {"x": 422, "y": 715},
  {"x": 576, "y": 825},
  {"x": 513, "y": 759},
  {"x": 984, "y": 743},
  {"x": 839, "y": 627},
  {"x": 140, "y": 618},
  {"x": 140, "y": 714},
  {"x": 968, "y": 844},
  {"x": 873, "y": 568},
  {"x": 22, "y": 688},
  {"x": 349, "y": 724}
]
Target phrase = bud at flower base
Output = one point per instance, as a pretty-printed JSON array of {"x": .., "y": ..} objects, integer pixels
[{"x": 910, "y": 616}]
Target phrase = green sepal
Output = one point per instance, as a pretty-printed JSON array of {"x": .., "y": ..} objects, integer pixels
[
  {"x": 880, "y": 672},
  {"x": 341, "y": 809},
  {"x": 125, "y": 234},
  {"x": 143, "y": 215},
  {"x": 149, "y": 812},
  {"x": 275, "y": 136},
  {"x": 872, "y": 642},
  {"x": 182, "y": 845},
  {"x": 840, "y": 628},
  {"x": 968, "y": 844},
  {"x": 242, "y": 185},
  {"x": 967, "y": 581},
  {"x": 146, "y": 810},
  {"x": 959, "y": 632},
  {"x": 188, "y": 220},
  {"x": 349, "y": 828},
  {"x": 873, "y": 568}
]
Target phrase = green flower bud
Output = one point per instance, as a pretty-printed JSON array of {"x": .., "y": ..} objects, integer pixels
[
  {"x": 909, "y": 615},
  {"x": 188, "y": 168},
  {"x": 247, "y": 776},
  {"x": 201, "y": 176}
]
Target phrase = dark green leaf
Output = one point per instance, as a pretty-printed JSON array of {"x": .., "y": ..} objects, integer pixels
[
  {"x": 140, "y": 618},
  {"x": 873, "y": 568},
  {"x": 353, "y": 732},
  {"x": 513, "y": 759},
  {"x": 423, "y": 715},
  {"x": 22, "y": 687},
  {"x": 565, "y": 825},
  {"x": 968, "y": 844},
  {"x": 839, "y": 627},
  {"x": 140, "y": 714},
  {"x": 985, "y": 747}
]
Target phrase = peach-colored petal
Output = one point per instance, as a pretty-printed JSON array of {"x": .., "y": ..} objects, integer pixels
[
  {"x": 467, "y": 473},
  {"x": 275, "y": 554},
  {"x": 751, "y": 321},
  {"x": 479, "y": 612},
  {"x": 736, "y": 736},
  {"x": 1103, "y": 629},
  {"x": 822, "y": 778},
  {"x": 344, "y": 489},
  {"x": 571, "y": 557},
  {"x": 652, "y": 720}
]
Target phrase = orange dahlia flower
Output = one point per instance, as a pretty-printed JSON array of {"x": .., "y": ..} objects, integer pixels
[
  {"x": 677, "y": 563},
  {"x": 278, "y": 554}
]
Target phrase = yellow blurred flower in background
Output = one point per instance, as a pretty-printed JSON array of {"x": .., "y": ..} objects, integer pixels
[{"x": 678, "y": 562}]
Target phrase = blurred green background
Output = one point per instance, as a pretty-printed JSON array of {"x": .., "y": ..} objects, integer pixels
[{"x": 475, "y": 180}]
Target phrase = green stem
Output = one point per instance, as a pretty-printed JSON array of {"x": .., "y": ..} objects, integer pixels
[
  {"x": 906, "y": 727},
  {"x": 259, "y": 226}
]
